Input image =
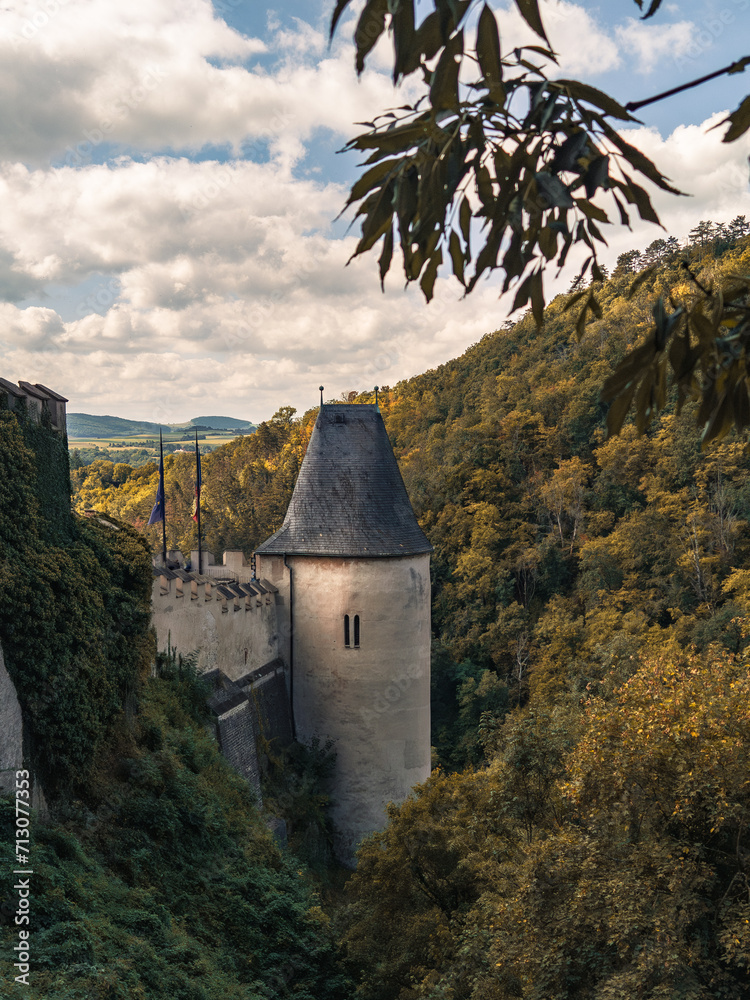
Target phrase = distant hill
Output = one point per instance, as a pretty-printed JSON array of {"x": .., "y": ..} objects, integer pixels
[
  {"x": 86, "y": 425},
  {"x": 217, "y": 423}
]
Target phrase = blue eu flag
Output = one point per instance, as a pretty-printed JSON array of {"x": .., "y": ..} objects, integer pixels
[{"x": 157, "y": 514}]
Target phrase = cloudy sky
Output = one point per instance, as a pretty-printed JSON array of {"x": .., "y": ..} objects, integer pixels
[{"x": 170, "y": 185}]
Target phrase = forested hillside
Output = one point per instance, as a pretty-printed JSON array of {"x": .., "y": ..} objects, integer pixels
[
  {"x": 87, "y": 425},
  {"x": 591, "y": 668},
  {"x": 586, "y": 834},
  {"x": 558, "y": 553}
]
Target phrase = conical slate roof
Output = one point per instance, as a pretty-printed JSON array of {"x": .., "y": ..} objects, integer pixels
[{"x": 350, "y": 499}]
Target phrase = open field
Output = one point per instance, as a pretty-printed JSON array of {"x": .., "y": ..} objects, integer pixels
[
  {"x": 148, "y": 441},
  {"x": 138, "y": 449}
]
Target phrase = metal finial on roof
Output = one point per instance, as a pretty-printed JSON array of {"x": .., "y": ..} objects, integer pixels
[
  {"x": 321, "y": 387},
  {"x": 376, "y": 394}
]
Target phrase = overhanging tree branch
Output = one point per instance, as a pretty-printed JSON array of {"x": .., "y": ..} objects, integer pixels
[
  {"x": 735, "y": 67},
  {"x": 498, "y": 167}
]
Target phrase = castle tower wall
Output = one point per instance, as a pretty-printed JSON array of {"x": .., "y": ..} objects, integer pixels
[
  {"x": 372, "y": 699},
  {"x": 351, "y": 565},
  {"x": 274, "y": 569}
]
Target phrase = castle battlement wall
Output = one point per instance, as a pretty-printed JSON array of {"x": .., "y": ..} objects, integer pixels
[
  {"x": 237, "y": 626},
  {"x": 234, "y": 625},
  {"x": 250, "y": 715}
]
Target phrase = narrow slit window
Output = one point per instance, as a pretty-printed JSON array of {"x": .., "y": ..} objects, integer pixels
[
  {"x": 356, "y": 631},
  {"x": 346, "y": 630}
]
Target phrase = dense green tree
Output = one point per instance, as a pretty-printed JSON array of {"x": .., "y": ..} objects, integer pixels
[
  {"x": 74, "y": 608},
  {"x": 599, "y": 855}
]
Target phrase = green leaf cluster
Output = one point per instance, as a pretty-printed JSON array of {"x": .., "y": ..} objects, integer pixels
[{"x": 499, "y": 164}]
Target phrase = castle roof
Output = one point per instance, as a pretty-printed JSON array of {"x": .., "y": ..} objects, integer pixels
[
  {"x": 51, "y": 393},
  {"x": 33, "y": 390},
  {"x": 350, "y": 499},
  {"x": 14, "y": 390}
]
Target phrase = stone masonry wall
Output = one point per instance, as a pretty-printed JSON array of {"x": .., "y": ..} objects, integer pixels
[{"x": 232, "y": 635}]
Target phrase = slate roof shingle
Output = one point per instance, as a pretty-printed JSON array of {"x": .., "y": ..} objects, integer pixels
[{"x": 350, "y": 499}]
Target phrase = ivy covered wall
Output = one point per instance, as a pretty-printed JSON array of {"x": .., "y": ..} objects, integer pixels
[{"x": 74, "y": 607}]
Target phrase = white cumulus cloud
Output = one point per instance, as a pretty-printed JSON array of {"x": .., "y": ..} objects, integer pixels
[
  {"x": 159, "y": 76},
  {"x": 584, "y": 46},
  {"x": 161, "y": 283},
  {"x": 651, "y": 45}
]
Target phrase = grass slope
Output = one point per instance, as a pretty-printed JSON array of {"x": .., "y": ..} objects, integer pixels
[{"x": 165, "y": 884}]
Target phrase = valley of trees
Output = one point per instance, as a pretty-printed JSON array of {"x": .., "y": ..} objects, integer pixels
[{"x": 585, "y": 834}]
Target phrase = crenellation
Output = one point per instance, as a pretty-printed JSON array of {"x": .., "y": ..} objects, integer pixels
[
  {"x": 165, "y": 577},
  {"x": 224, "y": 596},
  {"x": 235, "y": 643}
]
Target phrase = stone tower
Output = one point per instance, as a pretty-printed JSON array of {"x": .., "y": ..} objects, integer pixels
[{"x": 352, "y": 567}]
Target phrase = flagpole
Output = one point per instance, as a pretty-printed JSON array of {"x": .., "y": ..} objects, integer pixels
[
  {"x": 164, "y": 519},
  {"x": 159, "y": 513},
  {"x": 198, "y": 500}
]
